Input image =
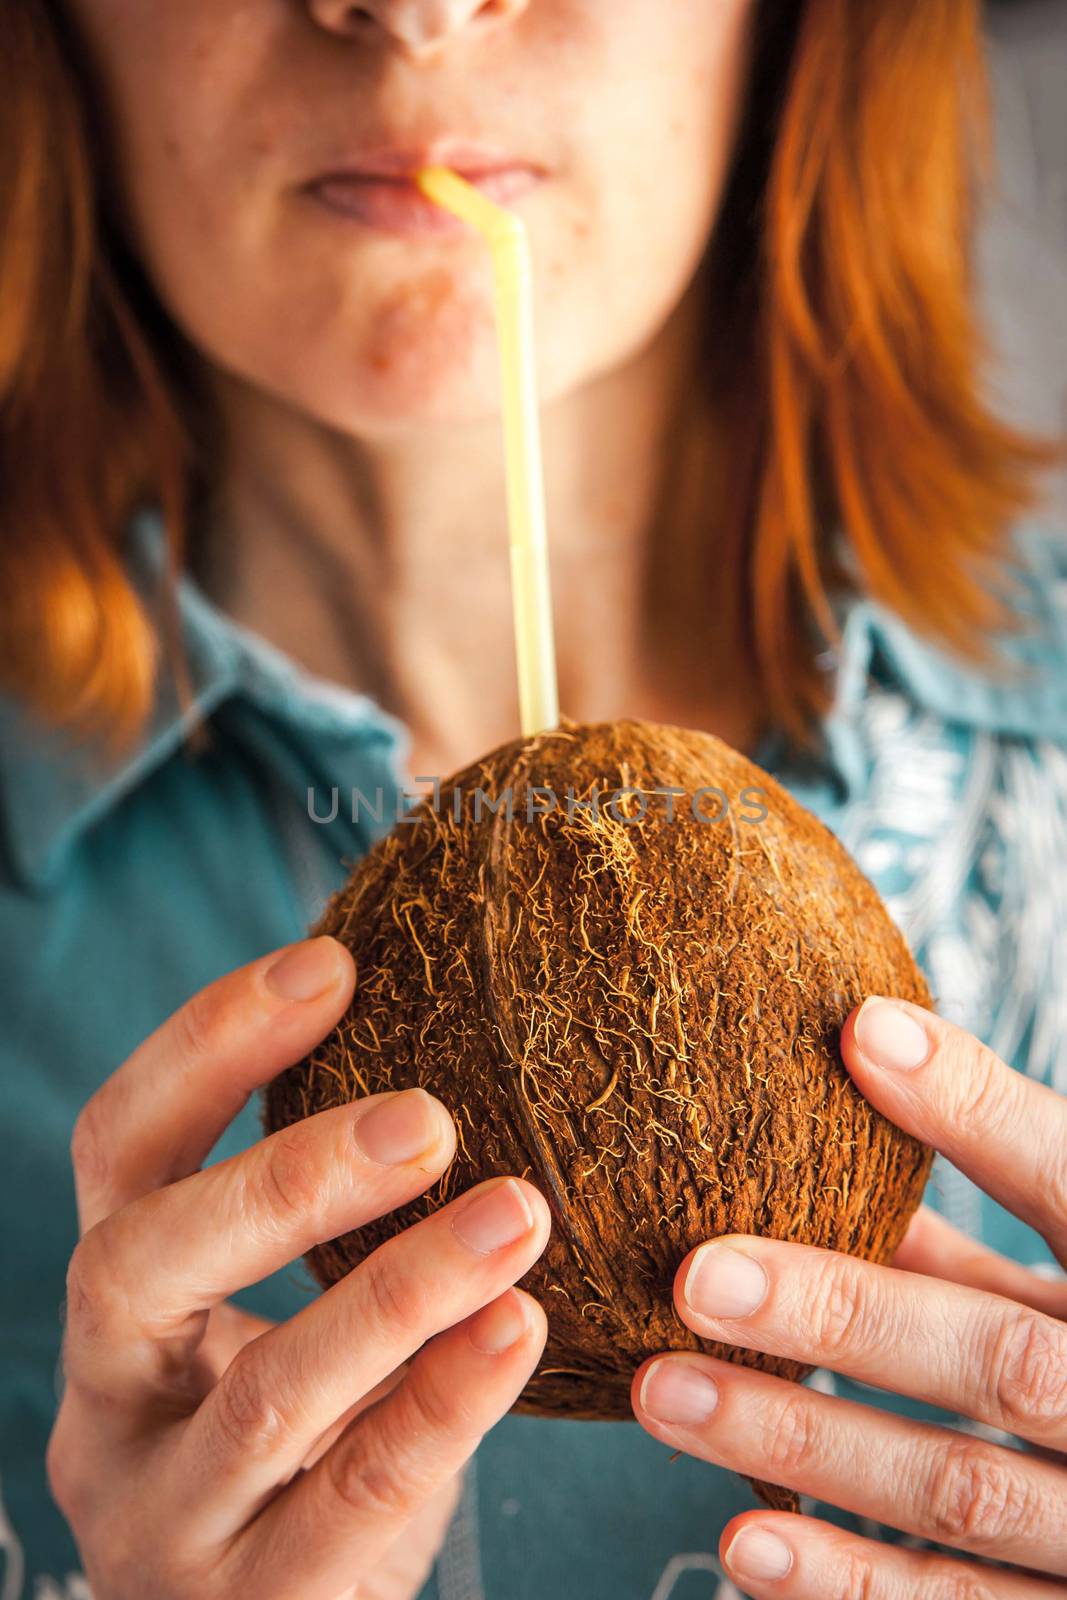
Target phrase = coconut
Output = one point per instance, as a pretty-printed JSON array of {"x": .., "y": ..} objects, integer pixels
[{"x": 621, "y": 955}]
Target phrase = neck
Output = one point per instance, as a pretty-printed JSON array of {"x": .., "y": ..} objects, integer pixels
[{"x": 385, "y": 565}]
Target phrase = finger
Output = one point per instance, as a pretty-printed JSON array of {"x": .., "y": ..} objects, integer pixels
[
  {"x": 1005, "y": 1131},
  {"x": 948, "y": 1487},
  {"x": 158, "y": 1117},
  {"x": 934, "y": 1247},
  {"x": 229, "y": 1329},
  {"x": 959, "y": 1348},
  {"x": 326, "y": 1439},
  {"x": 136, "y": 1312},
  {"x": 799, "y": 1558},
  {"x": 336, "y": 1522},
  {"x": 406, "y": 1565},
  {"x": 262, "y": 1417}
]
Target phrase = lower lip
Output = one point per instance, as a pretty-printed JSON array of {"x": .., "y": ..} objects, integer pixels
[{"x": 396, "y": 206}]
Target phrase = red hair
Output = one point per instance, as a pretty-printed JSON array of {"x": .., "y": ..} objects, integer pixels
[{"x": 848, "y": 377}]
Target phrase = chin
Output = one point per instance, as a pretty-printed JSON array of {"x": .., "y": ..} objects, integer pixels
[
  {"x": 376, "y": 405},
  {"x": 406, "y": 390}
]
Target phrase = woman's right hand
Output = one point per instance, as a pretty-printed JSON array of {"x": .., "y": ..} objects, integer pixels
[{"x": 200, "y": 1451}]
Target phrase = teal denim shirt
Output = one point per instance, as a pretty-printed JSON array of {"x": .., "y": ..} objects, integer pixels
[{"x": 126, "y": 886}]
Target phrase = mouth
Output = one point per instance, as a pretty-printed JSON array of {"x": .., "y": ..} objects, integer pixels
[{"x": 378, "y": 188}]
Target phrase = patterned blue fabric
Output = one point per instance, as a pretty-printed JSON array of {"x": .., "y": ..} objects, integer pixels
[{"x": 126, "y": 886}]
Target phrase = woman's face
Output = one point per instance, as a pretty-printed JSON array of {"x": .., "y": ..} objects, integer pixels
[{"x": 226, "y": 117}]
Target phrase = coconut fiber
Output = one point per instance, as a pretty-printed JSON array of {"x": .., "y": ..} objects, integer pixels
[{"x": 636, "y": 1010}]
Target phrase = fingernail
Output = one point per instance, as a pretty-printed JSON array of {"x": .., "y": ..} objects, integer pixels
[
  {"x": 500, "y": 1325},
  {"x": 400, "y": 1129},
  {"x": 758, "y": 1553},
  {"x": 890, "y": 1037},
  {"x": 723, "y": 1282},
  {"x": 676, "y": 1391},
  {"x": 493, "y": 1219},
  {"x": 307, "y": 970}
]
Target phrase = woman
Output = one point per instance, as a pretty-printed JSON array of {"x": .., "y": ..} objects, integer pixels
[{"x": 254, "y": 548}]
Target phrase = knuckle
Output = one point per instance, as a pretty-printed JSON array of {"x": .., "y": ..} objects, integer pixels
[
  {"x": 64, "y": 1482},
  {"x": 958, "y": 1585},
  {"x": 1055, "y": 1185},
  {"x": 973, "y": 1497},
  {"x": 856, "y": 1579},
  {"x": 197, "y": 1027},
  {"x": 985, "y": 1088},
  {"x": 368, "y": 1478},
  {"x": 88, "y": 1147},
  {"x": 840, "y": 1308},
  {"x": 396, "y": 1298},
  {"x": 246, "y": 1419},
  {"x": 438, "y": 1410},
  {"x": 295, "y": 1185},
  {"x": 1031, "y": 1374},
  {"x": 793, "y": 1441},
  {"x": 91, "y": 1288}
]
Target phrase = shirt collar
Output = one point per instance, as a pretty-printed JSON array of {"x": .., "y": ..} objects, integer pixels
[
  {"x": 52, "y": 789},
  {"x": 1026, "y": 700}
]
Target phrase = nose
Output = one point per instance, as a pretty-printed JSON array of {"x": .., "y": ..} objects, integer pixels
[{"x": 418, "y": 26}]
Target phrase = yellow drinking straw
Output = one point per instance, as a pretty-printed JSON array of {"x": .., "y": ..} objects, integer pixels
[{"x": 505, "y": 234}]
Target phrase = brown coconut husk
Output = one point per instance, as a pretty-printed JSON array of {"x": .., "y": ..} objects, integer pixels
[{"x": 639, "y": 1015}]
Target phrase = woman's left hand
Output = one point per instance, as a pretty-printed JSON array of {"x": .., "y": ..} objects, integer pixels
[{"x": 951, "y": 1323}]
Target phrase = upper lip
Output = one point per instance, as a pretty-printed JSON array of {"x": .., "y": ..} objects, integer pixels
[{"x": 399, "y": 162}]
